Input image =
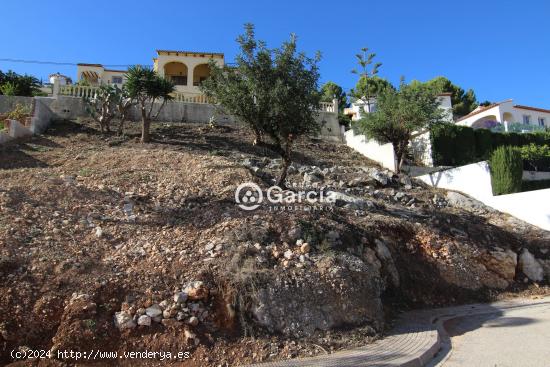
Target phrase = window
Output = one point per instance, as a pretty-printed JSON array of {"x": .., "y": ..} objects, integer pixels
[
  {"x": 542, "y": 121},
  {"x": 526, "y": 119},
  {"x": 116, "y": 80}
]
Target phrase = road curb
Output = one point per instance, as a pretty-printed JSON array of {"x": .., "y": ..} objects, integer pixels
[{"x": 415, "y": 341}]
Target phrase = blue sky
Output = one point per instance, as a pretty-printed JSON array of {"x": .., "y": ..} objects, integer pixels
[{"x": 501, "y": 49}]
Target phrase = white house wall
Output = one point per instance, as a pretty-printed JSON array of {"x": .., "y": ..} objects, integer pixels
[
  {"x": 381, "y": 153},
  {"x": 475, "y": 181},
  {"x": 506, "y": 111}
]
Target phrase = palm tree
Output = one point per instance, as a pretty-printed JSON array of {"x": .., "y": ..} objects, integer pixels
[{"x": 146, "y": 87}]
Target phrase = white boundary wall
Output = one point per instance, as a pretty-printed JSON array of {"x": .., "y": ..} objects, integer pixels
[
  {"x": 475, "y": 181},
  {"x": 380, "y": 153}
]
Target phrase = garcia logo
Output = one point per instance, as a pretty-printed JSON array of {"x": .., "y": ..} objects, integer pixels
[{"x": 249, "y": 196}]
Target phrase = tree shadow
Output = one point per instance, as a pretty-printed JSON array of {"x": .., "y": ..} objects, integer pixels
[
  {"x": 13, "y": 155},
  {"x": 67, "y": 128}
]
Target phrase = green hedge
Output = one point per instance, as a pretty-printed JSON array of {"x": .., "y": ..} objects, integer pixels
[
  {"x": 535, "y": 185},
  {"x": 454, "y": 145},
  {"x": 506, "y": 170},
  {"x": 535, "y": 157}
]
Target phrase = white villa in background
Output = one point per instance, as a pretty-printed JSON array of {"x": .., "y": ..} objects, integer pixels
[
  {"x": 59, "y": 78},
  {"x": 505, "y": 113},
  {"x": 186, "y": 69},
  {"x": 361, "y": 106}
]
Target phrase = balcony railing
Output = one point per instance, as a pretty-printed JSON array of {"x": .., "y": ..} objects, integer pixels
[
  {"x": 89, "y": 91},
  {"x": 77, "y": 91}
]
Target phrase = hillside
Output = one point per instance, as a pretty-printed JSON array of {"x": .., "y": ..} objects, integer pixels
[{"x": 100, "y": 234}]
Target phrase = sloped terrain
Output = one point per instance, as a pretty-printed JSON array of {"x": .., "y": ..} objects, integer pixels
[{"x": 108, "y": 244}]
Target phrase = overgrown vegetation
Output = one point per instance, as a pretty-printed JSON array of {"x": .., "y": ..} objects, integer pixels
[
  {"x": 13, "y": 84},
  {"x": 273, "y": 91},
  {"x": 19, "y": 113},
  {"x": 146, "y": 87},
  {"x": 506, "y": 170},
  {"x": 109, "y": 102}
]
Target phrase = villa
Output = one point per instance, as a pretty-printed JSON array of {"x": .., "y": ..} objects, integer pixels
[
  {"x": 506, "y": 113},
  {"x": 360, "y": 106},
  {"x": 186, "y": 69}
]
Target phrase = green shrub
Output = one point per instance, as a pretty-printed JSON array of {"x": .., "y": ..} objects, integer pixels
[
  {"x": 19, "y": 113},
  {"x": 453, "y": 145},
  {"x": 506, "y": 170},
  {"x": 535, "y": 185},
  {"x": 442, "y": 137},
  {"x": 484, "y": 143},
  {"x": 535, "y": 157},
  {"x": 458, "y": 145}
]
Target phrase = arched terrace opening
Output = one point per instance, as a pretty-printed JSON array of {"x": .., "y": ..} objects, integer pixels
[
  {"x": 200, "y": 74},
  {"x": 486, "y": 122},
  {"x": 176, "y": 72},
  {"x": 507, "y": 116}
]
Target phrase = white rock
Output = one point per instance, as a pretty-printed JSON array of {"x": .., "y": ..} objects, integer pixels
[
  {"x": 193, "y": 321},
  {"x": 144, "y": 320},
  {"x": 288, "y": 254},
  {"x": 153, "y": 311},
  {"x": 98, "y": 232},
  {"x": 530, "y": 266},
  {"x": 124, "y": 320}
]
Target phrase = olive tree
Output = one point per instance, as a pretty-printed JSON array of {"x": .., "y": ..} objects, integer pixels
[
  {"x": 399, "y": 114},
  {"x": 273, "y": 91},
  {"x": 295, "y": 98},
  {"x": 243, "y": 89},
  {"x": 146, "y": 87}
]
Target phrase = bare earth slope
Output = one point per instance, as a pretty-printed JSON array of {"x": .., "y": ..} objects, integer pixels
[{"x": 98, "y": 235}]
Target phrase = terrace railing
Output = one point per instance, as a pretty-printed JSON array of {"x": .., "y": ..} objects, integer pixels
[
  {"x": 77, "y": 91},
  {"x": 89, "y": 91},
  {"x": 191, "y": 97},
  {"x": 327, "y": 107}
]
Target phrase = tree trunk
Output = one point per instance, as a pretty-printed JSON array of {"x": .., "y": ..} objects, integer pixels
[
  {"x": 121, "y": 126},
  {"x": 399, "y": 149},
  {"x": 284, "y": 172},
  {"x": 285, "y": 154},
  {"x": 145, "y": 125},
  {"x": 257, "y": 136}
]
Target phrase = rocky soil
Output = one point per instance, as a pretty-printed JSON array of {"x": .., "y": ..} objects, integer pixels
[{"x": 107, "y": 244}]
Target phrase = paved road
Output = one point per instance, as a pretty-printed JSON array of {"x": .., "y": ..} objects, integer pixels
[{"x": 517, "y": 337}]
